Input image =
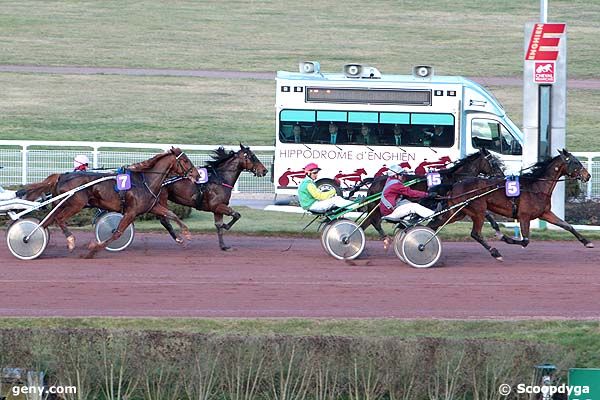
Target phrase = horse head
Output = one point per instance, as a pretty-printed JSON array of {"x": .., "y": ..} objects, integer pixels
[
  {"x": 491, "y": 165},
  {"x": 250, "y": 162},
  {"x": 573, "y": 167},
  {"x": 183, "y": 166}
]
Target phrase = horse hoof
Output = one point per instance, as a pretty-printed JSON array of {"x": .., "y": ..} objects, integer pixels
[
  {"x": 71, "y": 243},
  {"x": 499, "y": 258},
  {"x": 179, "y": 240},
  {"x": 226, "y": 248},
  {"x": 589, "y": 245},
  {"x": 387, "y": 243}
]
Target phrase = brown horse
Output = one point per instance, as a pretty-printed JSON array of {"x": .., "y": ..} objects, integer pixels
[
  {"x": 146, "y": 186},
  {"x": 481, "y": 162},
  {"x": 214, "y": 195},
  {"x": 533, "y": 202}
]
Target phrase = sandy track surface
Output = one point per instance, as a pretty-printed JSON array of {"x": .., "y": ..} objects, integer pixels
[{"x": 155, "y": 277}]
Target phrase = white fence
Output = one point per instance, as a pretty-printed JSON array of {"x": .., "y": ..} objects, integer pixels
[{"x": 31, "y": 161}]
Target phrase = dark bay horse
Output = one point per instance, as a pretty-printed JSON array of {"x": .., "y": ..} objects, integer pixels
[
  {"x": 146, "y": 185},
  {"x": 481, "y": 162},
  {"x": 533, "y": 202},
  {"x": 213, "y": 196}
]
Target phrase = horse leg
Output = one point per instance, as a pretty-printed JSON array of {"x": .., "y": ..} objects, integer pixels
[
  {"x": 374, "y": 219},
  {"x": 94, "y": 247},
  {"x": 219, "y": 211},
  {"x": 164, "y": 212},
  {"x": 235, "y": 216},
  {"x": 478, "y": 221},
  {"x": 499, "y": 234},
  {"x": 219, "y": 226},
  {"x": 165, "y": 222},
  {"x": 67, "y": 210},
  {"x": 549, "y": 216}
]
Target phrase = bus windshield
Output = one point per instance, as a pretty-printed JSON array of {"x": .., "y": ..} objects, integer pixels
[{"x": 366, "y": 128}]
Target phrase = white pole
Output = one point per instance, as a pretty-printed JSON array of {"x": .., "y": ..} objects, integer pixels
[{"x": 543, "y": 11}]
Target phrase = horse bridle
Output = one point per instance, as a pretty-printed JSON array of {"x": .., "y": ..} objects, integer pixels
[
  {"x": 181, "y": 166},
  {"x": 254, "y": 160}
]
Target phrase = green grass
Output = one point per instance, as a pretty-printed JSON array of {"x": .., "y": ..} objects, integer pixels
[
  {"x": 136, "y": 109},
  {"x": 582, "y": 337},
  {"x": 273, "y": 223},
  {"x": 462, "y": 37},
  {"x": 191, "y": 110},
  {"x": 458, "y": 36}
]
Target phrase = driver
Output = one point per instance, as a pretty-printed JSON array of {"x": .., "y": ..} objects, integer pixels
[
  {"x": 81, "y": 163},
  {"x": 395, "y": 203},
  {"x": 312, "y": 199}
]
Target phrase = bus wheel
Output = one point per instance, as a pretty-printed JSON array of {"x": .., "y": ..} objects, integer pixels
[{"x": 326, "y": 184}]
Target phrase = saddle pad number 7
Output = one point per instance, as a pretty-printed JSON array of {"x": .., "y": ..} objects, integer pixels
[
  {"x": 433, "y": 179},
  {"x": 123, "y": 182}
]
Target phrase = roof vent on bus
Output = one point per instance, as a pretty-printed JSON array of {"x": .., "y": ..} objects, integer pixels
[
  {"x": 423, "y": 71},
  {"x": 309, "y": 67},
  {"x": 361, "y": 71}
]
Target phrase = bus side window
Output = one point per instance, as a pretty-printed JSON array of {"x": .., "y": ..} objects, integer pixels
[{"x": 494, "y": 136}]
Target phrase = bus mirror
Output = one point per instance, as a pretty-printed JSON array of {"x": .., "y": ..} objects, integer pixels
[
  {"x": 309, "y": 67},
  {"x": 423, "y": 71}
]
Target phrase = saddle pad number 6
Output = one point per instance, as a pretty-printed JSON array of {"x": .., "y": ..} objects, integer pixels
[
  {"x": 513, "y": 188},
  {"x": 123, "y": 182},
  {"x": 433, "y": 179}
]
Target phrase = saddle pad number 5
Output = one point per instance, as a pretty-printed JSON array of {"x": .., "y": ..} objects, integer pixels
[
  {"x": 123, "y": 182},
  {"x": 433, "y": 179},
  {"x": 513, "y": 188}
]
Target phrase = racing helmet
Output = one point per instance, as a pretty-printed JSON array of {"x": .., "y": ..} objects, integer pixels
[{"x": 80, "y": 160}]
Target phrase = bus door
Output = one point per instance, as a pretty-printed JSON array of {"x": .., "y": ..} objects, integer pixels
[{"x": 487, "y": 131}]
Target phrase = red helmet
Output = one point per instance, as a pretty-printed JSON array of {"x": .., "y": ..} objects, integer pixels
[{"x": 311, "y": 167}]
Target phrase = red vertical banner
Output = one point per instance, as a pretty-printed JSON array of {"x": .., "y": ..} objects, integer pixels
[{"x": 544, "y": 42}]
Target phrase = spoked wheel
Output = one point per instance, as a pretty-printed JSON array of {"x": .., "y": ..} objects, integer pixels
[
  {"x": 23, "y": 247},
  {"x": 344, "y": 239},
  {"x": 419, "y": 247},
  {"x": 106, "y": 224}
]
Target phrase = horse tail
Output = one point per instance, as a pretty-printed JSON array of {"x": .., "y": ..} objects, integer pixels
[
  {"x": 33, "y": 191},
  {"x": 359, "y": 185}
]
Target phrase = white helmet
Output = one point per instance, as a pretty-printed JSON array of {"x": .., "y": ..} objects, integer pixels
[
  {"x": 80, "y": 160},
  {"x": 397, "y": 169}
]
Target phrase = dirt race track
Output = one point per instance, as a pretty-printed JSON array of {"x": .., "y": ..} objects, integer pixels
[{"x": 154, "y": 277}]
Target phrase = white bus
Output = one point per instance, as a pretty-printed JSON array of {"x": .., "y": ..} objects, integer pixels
[{"x": 357, "y": 123}]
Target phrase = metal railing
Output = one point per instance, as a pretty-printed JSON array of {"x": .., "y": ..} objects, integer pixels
[
  {"x": 31, "y": 161},
  {"x": 25, "y": 162}
]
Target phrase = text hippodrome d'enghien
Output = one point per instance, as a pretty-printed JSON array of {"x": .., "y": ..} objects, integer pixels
[{"x": 347, "y": 155}]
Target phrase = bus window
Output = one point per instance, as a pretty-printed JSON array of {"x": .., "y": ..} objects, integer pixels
[
  {"x": 494, "y": 136},
  {"x": 366, "y": 128}
]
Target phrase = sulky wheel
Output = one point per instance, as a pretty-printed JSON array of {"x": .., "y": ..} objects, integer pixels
[
  {"x": 398, "y": 238},
  {"x": 420, "y": 247},
  {"x": 324, "y": 231},
  {"x": 26, "y": 248},
  {"x": 344, "y": 240},
  {"x": 106, "y": 224}
]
